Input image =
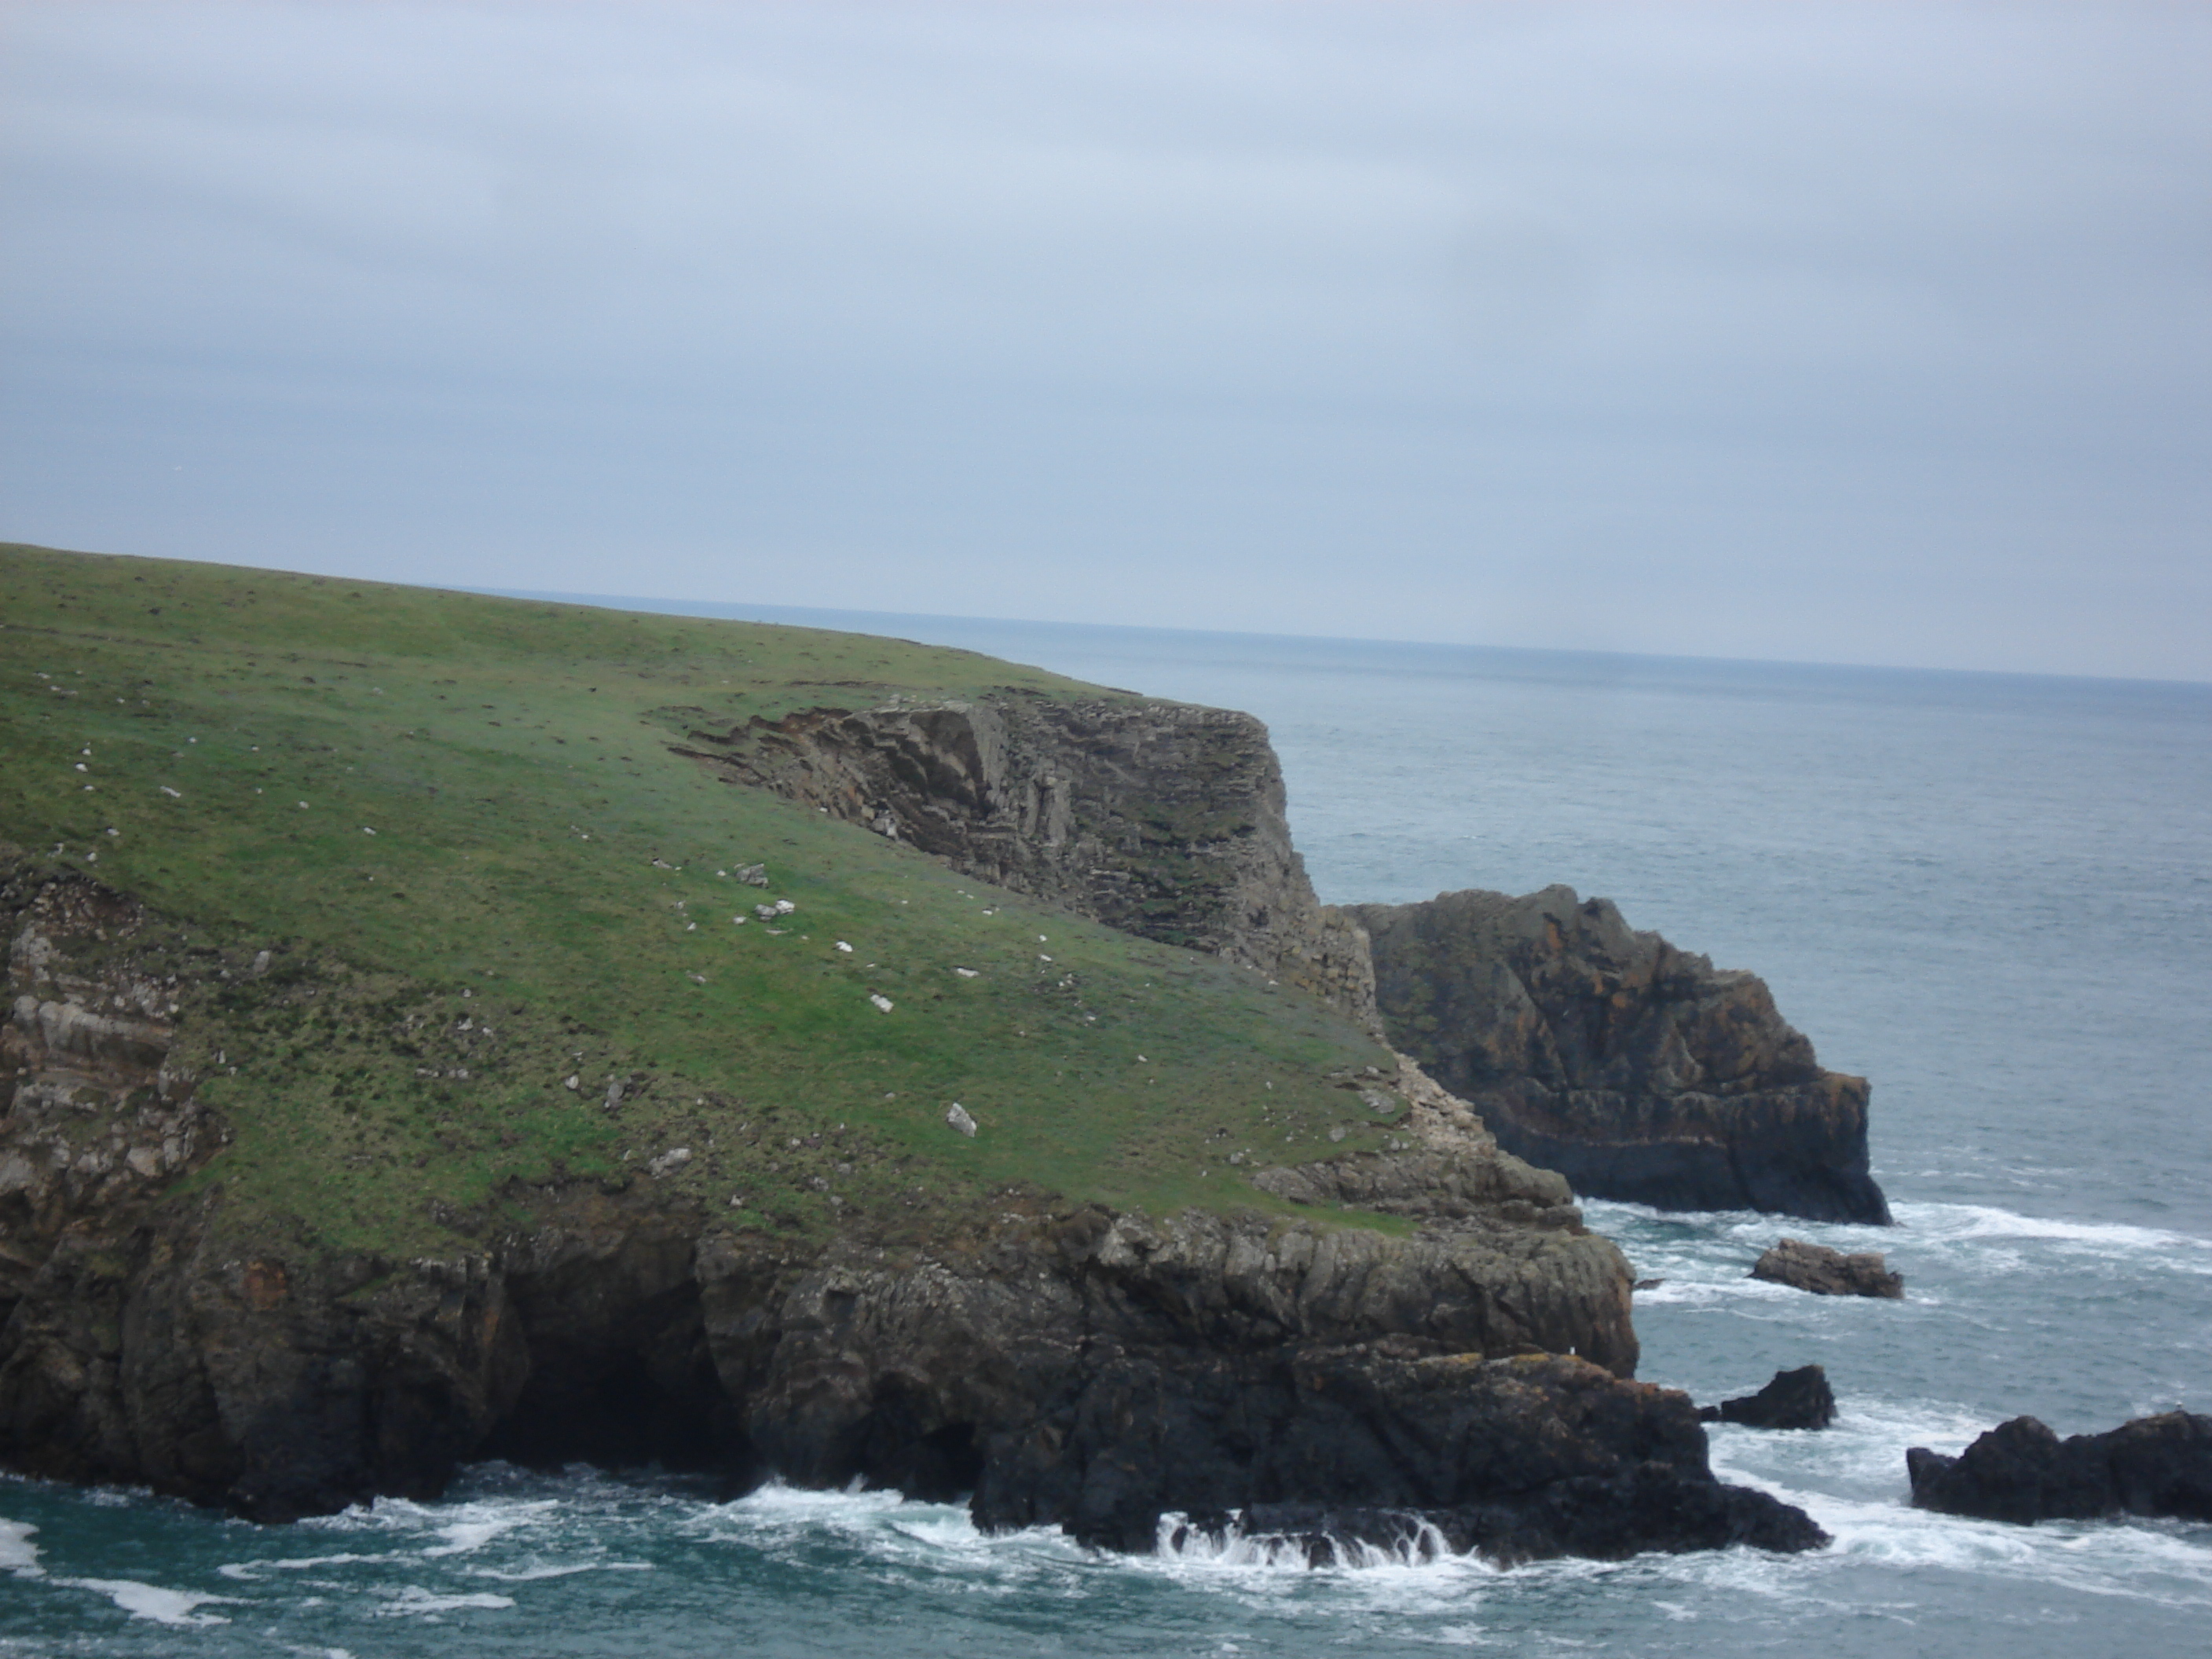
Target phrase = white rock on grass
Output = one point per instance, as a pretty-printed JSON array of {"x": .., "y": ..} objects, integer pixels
[
  {"x": 956, "y": 1115},
  {"x": 882, "y": 1003},
  {"x": 846, "y": 948},
  {"x": 669, "y": 1161},
  {"x": 965, "y": 973}
]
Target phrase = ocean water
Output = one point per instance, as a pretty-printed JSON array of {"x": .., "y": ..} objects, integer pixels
[{"x": 1992, "y": 895}]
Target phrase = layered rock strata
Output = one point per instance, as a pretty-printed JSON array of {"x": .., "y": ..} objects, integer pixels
[
  {"x": 2021, "y": 1471},
  {"x": 1062, "y": 1364},
  {"x": 1160, "y": 818},
  {"x": 1638, "y": 1070}
]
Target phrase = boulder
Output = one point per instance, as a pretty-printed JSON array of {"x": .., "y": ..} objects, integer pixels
[
  {"x": 2021, "y": 1471},
  {"x": 1824, "y": 1272},
  {"x": 1635, "y": 1070},
  {"x": 1794, "y": 1400}
]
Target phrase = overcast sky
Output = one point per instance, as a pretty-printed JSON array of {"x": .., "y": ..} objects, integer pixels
[{"x": 1872, "y": 333}]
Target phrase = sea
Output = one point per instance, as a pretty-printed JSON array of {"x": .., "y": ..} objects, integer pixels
[{"x": 1990, "y": 894}]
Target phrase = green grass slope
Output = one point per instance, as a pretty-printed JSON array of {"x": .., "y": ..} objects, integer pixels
[{"x": 455, "y": 824}]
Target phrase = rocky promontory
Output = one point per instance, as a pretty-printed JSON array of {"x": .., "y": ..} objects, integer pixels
[
  {"x": 1638, "y": 1070},
  {"x": 2021, "y": 1471},
  {"x": 440, "y": 1028}
]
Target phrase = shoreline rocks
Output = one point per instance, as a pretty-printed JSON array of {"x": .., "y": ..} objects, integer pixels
[
  {"x": 1793, "y": 1400},
  {"x": 1823, "y": 1271},
  {"x": 1638, "y": 1070},
  {"x": 2022, "y": 1472}
]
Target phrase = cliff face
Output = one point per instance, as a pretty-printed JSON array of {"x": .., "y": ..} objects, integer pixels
[
  {"x": 1062, "y": 1363},
  {"x": 1162, "y": 819},
  {"x": 1638, "y": 1070}
]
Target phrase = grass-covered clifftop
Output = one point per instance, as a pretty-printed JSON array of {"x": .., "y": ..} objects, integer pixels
[{"x": 455, "y": 824}]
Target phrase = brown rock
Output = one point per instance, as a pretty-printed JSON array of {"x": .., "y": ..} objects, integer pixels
[{"x": 1824, "y": 1272}]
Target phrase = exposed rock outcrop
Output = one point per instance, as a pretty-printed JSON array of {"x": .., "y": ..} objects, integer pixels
[
  {"x": 1063, "y": 1364},
  {"x": 1161, "y": 818},
  {"x": 1793, "y": 1400},
  {"x": 2021, "y": 1471},
  {"x": 1604, "y": 1518},
  {"x": 1638, "y": 1070},
  {"x": 1824, "y": 1272}
]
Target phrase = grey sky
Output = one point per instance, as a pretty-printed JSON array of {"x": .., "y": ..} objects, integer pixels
[{"x": 1862, "y": 333}]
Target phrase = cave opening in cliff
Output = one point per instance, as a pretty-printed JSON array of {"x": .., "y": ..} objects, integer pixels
[
  {"x": 893, "y": 1449},
  {"x": 614, "y": 1411}
]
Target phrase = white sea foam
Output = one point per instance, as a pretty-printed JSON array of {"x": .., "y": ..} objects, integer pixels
[
  {"x": 18, "y": 1554},
  {"x": 163, "y": 1607},
  {"x": 530, "y": 1575},
  {"x": 249, "y": 1571},
  {"x": 412, "y": 1601}
]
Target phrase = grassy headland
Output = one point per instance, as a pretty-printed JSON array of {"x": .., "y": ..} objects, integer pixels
[{"x": 455, "y": 825}]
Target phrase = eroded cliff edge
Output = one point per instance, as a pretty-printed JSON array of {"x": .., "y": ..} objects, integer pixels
[
  {"x": 1162, "y": 819},
  {"x": 1061, "y": 1363},
  {"x": 1638, "y": 1071}
]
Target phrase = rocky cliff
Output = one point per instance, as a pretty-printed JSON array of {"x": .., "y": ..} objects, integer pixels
[
  {"x": 1638, "y": 1071},
  {"x": 1063, "y": 1364},
  {"x": 1160, "y": 818}
]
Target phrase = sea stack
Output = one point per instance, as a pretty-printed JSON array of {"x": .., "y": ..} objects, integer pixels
[{"x": 1638, "y": 1070}]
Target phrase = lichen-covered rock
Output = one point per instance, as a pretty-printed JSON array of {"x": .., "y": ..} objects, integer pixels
[
  {"x": 1792, "y": 1399},
  {"x": 2021, "y": 1471},
  {"x": 1159, "y": 819},
  {"x": 1824, "y": 1272},
  {"x": 1638, "y": 1070}
]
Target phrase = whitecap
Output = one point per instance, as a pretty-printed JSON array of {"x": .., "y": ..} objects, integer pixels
[
  {"x": 163, "y": 1607},
  {"x": 17, "y": 1553},
  {"x": 414, "y": 1601}
]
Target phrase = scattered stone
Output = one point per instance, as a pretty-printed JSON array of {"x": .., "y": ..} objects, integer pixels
[
  {"x": 2021, "y": 1471},
  {"x": 844, "y": 947},
  {"x": 174, "y": 795},
  {"x": 614, "y": 1093},
  {"x": 882, "y": 1003},
  {"x": 669, "y": 1161},
  {"x": 1824, "y": 1272},
  {"x": 366, "y": 830},
  {"x": 260, "y": 961},
  {"x": 969, "y": 973},
  {"x": 785, "y": 907},
  {"x": 754, "y": 875},
  {"x": 956, "y": 1115},
  {"x": 1794, "y": 1400},
  {"x": 571, "y": 1081}
]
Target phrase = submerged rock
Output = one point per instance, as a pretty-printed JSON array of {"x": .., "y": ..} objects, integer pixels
[
  {"x": 1824, "y": 1272},
  {"x": 1638, "y": 1070},
  {"x": 1603, "y": 1518},
  {"x": 2021, "y": 1471},
  {"x": 1793, "y": 1400}
]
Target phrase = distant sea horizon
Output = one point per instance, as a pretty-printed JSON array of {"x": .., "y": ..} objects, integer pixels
[{"x": 841, "y": 619}]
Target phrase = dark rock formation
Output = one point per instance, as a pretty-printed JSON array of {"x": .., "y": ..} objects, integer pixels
[
  {"x": 1824, "y": 1272},
  {"x": 1793, "y": 1400},
  {"x": 1638, "y": 1070},
  {"x": 2021, "y": 1471},
  {"x": 1159, "y": 819},
  {"x": 1606, "y": 1518},
  {"x": 1062, "y": 1365}
]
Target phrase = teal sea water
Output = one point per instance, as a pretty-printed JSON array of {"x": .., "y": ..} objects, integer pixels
[{"x": 1992, "y": 894}]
